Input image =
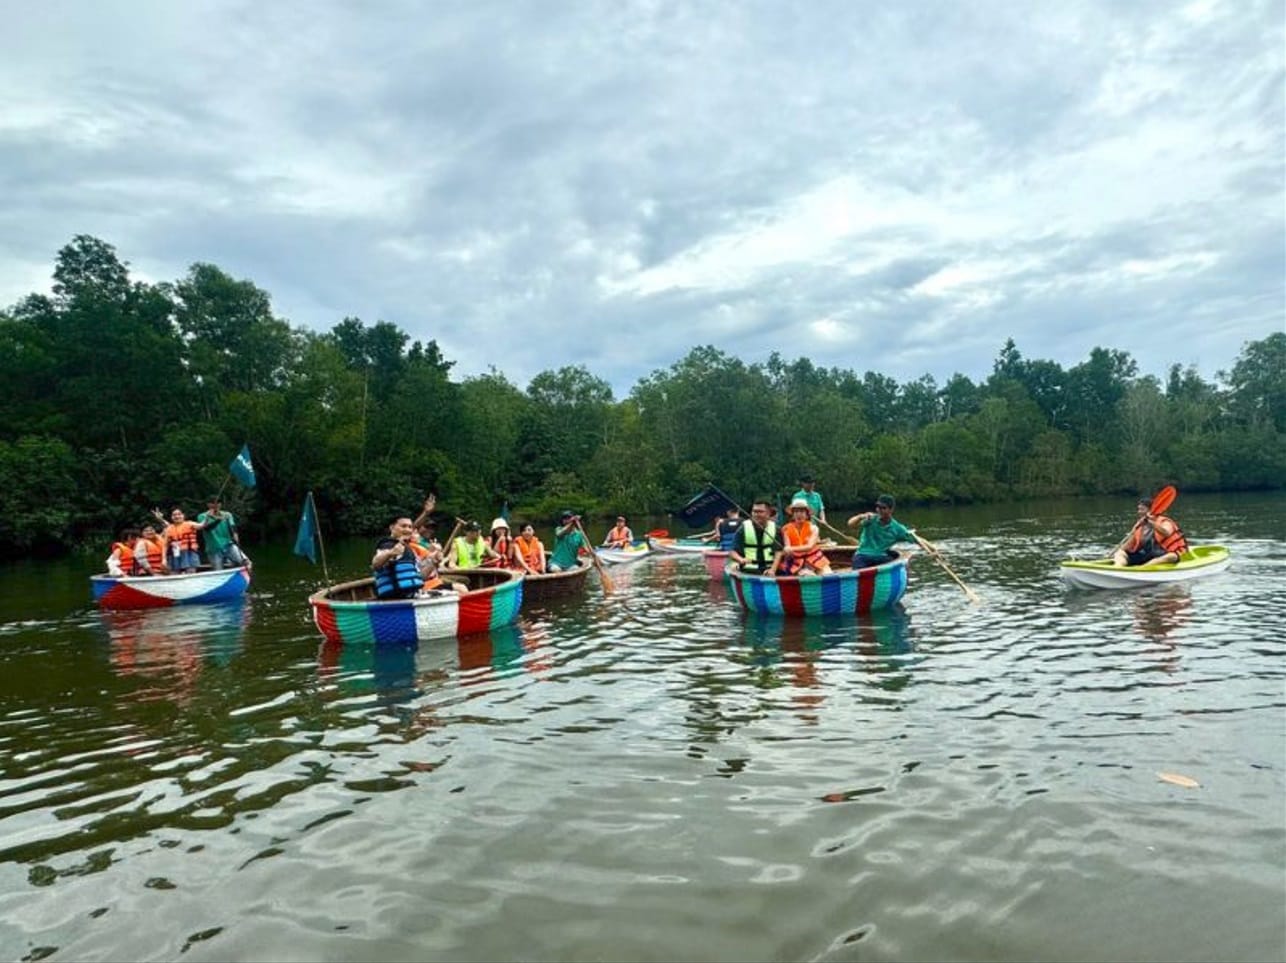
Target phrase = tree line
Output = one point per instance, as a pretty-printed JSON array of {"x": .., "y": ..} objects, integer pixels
[{"x": 120, "y": 395}]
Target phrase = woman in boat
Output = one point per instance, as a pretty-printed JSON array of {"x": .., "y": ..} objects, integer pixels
[
  {"x": 502, "y": 544},
  {"x": 529, "y": 551},
  {"x": 121, "y": 561},
  {"x": 149, "y": 553},
  {"x": 620, "y": 536},
  {"x": 880, "y": 531},
  {"x": 800, "y": 554},
  {"x": 182, "y": 545},
  {"x": 1154, "y": 540},
  {"x": 470, "y": 550}
]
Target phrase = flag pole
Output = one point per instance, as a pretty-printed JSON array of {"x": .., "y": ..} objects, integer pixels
[{"x": 320, "y": 543}]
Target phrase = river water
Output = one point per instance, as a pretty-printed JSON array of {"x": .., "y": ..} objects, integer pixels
[{"x": 652, "y": 775}]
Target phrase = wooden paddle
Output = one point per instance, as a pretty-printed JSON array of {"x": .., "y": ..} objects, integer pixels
[
  {"x": 845, "y": 535},
  {"x": 936, "y": 555},
  {"x": 1160, "y": 502},
  {"x": 608, "y": 586}
]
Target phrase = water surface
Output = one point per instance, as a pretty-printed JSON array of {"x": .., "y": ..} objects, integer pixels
[{"x": 652, "y": 775}]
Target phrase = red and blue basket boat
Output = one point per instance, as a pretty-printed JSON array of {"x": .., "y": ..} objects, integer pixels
[
  {"x": 162, "y": 591},
  {"x": 843, "y": 592},
  {"x": 350, "y": 614}
]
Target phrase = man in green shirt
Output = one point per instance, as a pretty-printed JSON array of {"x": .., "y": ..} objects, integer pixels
[
  {"x": 809, "y": 493},
  {"x": 222, "y": 543},
  {"x": 880, "y": 532},
  {"x": 568, "y": 542}
]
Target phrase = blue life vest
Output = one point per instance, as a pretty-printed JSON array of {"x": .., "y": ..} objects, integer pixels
[
  {"x": 728, "y": 528},
  {"x": 399, "y": 578}
]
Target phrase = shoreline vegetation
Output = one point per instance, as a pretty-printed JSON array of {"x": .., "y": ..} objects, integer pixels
[{"x": 121, "y": 394}]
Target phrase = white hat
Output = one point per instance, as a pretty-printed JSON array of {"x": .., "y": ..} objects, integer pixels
[
  {"x": 498, "y": 523},
  {"x": 801, "y": 503}
]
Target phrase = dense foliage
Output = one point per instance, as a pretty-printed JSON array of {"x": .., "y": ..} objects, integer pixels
[{"x": 120, "y": 395}]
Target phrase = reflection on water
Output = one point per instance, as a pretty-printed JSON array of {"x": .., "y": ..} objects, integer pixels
[
  {"x": 653, "y": 773},
  {"x": 170, "y": 647}
]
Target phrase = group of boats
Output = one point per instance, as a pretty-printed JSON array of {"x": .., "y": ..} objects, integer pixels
[{"x": 349, "y": 613}]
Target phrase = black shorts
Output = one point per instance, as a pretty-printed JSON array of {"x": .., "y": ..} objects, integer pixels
[{"x": 1144, "y": 555}]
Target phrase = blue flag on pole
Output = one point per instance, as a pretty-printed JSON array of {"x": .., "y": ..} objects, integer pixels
[
  {"x": 242, "y": 469},
  {"x": 707, "y": 504},
  {"x": 306, "y": 540}
]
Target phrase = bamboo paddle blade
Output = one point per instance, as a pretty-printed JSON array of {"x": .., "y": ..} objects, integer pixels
[{"x": 609, "y": 587}]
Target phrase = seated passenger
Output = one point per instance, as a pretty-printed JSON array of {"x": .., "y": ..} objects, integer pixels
[
  {"x": 121, "y": 561},
  {"x": 799, "y": 554},
  {"x": 395, "y": 565},
  {"x": 149, "y": 553},
  {"x": 757, "y": 542},
  {"x": 529, "y": 551},
  {"x": 502, "y": 544},
  {"x": 1154, "y": 540},
  {"x": 469, "y": 550},
  {"x": 620, "y": 535}
]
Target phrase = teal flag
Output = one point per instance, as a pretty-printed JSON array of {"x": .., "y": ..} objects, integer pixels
[
  {"x": 306, "y": 540},
  {"x": 242, "y": 469}
]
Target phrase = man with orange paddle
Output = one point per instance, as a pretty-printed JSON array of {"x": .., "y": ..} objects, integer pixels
[{"x": 1155, "y": 538}]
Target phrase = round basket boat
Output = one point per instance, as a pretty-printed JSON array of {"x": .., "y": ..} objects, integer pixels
[
  {"x": 843, "y": 592},
  {"x": 350, "y": 614},
  {"x": 549, "y": 586}
]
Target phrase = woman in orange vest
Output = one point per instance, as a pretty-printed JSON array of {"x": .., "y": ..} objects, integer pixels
[
  {"x": 182, "y": 544},
  {"x": 800, "y": 537},
  {"x": 529, "y": 551},
  {"x": 1155, "y": 540},
  {"x": 121, "y": 561},
  {"x": 149, "y": 553},
  {"x": 502, "y": 545}
]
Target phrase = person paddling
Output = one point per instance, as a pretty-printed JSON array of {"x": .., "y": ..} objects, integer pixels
[
  {"x": 1154, "y": 540},
  {"x": 880, "y": 531},
  {"x": 620, "y": 536}
]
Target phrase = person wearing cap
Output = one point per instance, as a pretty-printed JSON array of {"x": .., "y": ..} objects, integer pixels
[
  {"x": 800, "y": 554},
  {"x": 569, "y": 542},
  {"x": 809, "y": 493},
  {"x": 620, "y": 535},
  {"x": 880, "y": 531},
  {"x": 470, "y": 550},
  {"x": 222, "y": 541},
  {"x": 502, "y": 544},
  {"x": 757, "y": 542}
]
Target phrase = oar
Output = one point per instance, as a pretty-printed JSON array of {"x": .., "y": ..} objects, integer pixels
[
  {"x": 936, "y": 555},
  {"x": 603, "y": 577},
  {"x": 1160, "y": 502},
  {"x": 838, "y": 532}
]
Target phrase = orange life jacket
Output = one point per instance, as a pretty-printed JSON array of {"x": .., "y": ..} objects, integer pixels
[
  {"x": 1146, "y": 535},
  {"x": 620, "y": 536},
  {"x": 501, "y": 546},
  {"x": 155, "y": 553},
  {"x": 125, "y": 556},
  {"x": 185, "y": 534},
  {"x": 801, "y": 533},
  {"x": 532, "y": 550}
]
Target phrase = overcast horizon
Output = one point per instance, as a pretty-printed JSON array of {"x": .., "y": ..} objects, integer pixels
[{"x": 897, "y": 189}]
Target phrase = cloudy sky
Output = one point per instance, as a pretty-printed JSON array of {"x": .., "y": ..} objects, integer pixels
[{"x": 888, "y": 186}]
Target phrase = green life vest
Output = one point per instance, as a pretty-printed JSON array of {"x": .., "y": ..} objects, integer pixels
[
  {"x": 759, "y": 554},
  {"x": 469, "y": 556}
]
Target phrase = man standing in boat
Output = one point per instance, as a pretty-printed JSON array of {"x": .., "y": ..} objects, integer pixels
[
  {"x": 758, "y": 541},
  {"x": 222, "y": 541},
  {"x": 809, "y": 493}
]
